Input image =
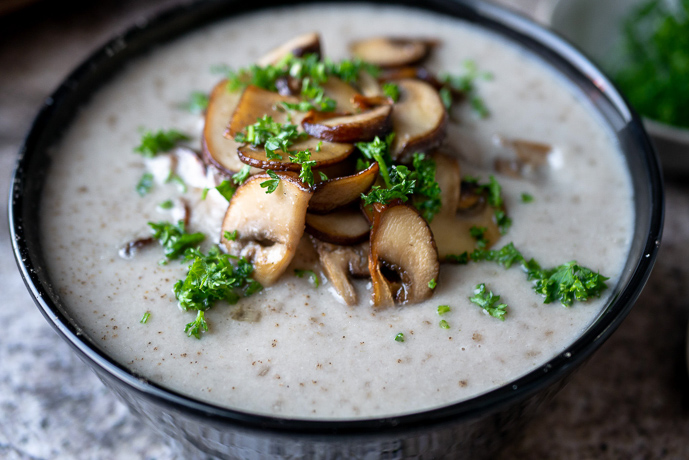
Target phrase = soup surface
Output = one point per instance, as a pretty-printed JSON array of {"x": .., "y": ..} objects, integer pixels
[{"x": 294, "y": 350}]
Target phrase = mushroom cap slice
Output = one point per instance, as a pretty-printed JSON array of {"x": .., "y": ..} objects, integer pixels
[
  {"x": 218, "y": 150},
  {"x": 342, "y": 93},
  {"x": 339, "y": 262},
  {"x": 389, "y": 51},
  {"x": 308, "y": 43},
  {"x": 401, "y": 242},
  {"x": 253, "y": 104},
  {"x": 326, "y": 154},
  {"x": 269, "y": 225},
  {"x": 340, "y": 191},
  {"x": 419, "y": 119},
  {"x": 345, "y": 226},
  {"x": 449, "y": 178},
  {"x": 360, "y": 127}
]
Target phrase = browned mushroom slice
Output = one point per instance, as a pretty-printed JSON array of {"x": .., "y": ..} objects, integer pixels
[
  {"x": 345, "y": 226},
  {"x": 340, "y": 191},
  {"x": 419, "y": 119},
  {"x": 361, "y": 127},
  {"x": 341, "y": 261},
  {"x": 269, "y": 225},
  {"x": 342, "y": 93},
  {"x": 418, "y": 73},
  {"x": 453, "y": 232},
  {"x": 324, "y": 153},
  {"x": 533, "y": 153},
  {"x": 368, "y": 85},
  {"x": 391, "y": 52},
  {"x": 448, "y": 176},
  {"x": 402, "y": 247},
  {"x": 309, "y": 43},
  {"x": 218, "y": 150},
  {"x": 255, "y": 103}
]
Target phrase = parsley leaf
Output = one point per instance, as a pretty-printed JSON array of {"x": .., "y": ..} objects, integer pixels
[
  {"x": 568, "y": 282},
  {"x": 197, "y": 326},
  {"x": 489, "y": 302},
  {"x": 432, "y": 284},
  {"x": 232, "y": 236},
  {"x": 442, "y": 309},
  {"x": 145, "y": 184},
  {"x": 242, "y": 175},
  {"x": 401, "y": 185},
  {"x": 427, "y": 193},
  {"x": 273, "y": 135},
  {"x": 310, "y": 273},
  {"x": 160, "y": 141},
  {"x": 226, "y": 189},
  {"x": 198, "y": 102},
  {"x": 303, "y": 158},
  {"x": 444, "y": 324},
  {"x": 399, "y": 337},
  {"x": 144, "y": 318},
  {"x": 465, "y": 84},
  {"x": 174, "y": 239},
  {"x": 271, "y": 184},
  {"x": 527, "y": 198},
  {"x": 391, "y": 90}
]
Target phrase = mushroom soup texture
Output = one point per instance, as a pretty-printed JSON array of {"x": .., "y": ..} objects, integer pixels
[{"x": 294, "y": 349}]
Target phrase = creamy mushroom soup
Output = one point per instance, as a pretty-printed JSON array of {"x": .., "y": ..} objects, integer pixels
[{"x": 294, "y": 349}]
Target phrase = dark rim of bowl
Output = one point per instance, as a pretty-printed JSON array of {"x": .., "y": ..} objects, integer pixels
[{"x": 179, "y": 20}]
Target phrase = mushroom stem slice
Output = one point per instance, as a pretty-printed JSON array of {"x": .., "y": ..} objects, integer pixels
[
  {"x": 359, "y": 127},
  {"x": 269, "y": 225},
  {"x": 344, "y": 226},
  {"x": 341, "y": 261},
  {"x": 419, "y": 119},
  {"x": 309, "y": 43},
  {"x": 340, "y": 191},
  {"x": 391, "y": 52},
  {"x": 402, "y": 243}
]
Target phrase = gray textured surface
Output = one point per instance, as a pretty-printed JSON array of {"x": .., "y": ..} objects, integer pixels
[{"x": 629, "y": 401}]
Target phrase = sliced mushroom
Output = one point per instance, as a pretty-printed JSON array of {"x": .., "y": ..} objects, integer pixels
[
  {"x": 301, "y": 45},
  {"x": 452, "y": 232},
  {"x": 360, "y": 127},
  {"x": 418, "y": 73},
  {"x": 255, "y": 103},
  {"x": 342, "y": 93},
  {"x": 340, "y": 191},
  {"x": 324, "y": 153},
  {"x": 401, "y": 244},
  {"x": 345, "y": 226},
  {"x": 528, "y": 157},
  {"x": 368, "y": 85},
  {"x": 269, "y": 225},
  {"x": 448, "y": 176},
  {"x": 341, "y": 261},
  {"x": 391, "y": 52},
  {"x": 419, "y": 119},
  {"x": 218, "y": 150}
]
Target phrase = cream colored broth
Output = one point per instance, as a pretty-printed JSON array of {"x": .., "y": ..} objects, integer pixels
[{"x": 293, "y": 350}]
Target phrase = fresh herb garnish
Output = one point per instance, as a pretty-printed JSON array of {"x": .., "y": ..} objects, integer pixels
[
  {"x": 204, "y": 193},
  {"x": 174, "y": 238},
  {"x": 272, "y": 135},
  {"x": 466, "y": 85},
  {"x": 212, "y": 277},
  {"x": 323, "y": 176},
  {"x": 313, "y": 278},
  {"x": 167, "y": 204},
  {"x": 197, "y": 103},
  {"x": 271, "y": 184},
  {"x": 391, "y": 90},
  {"x": 399, "y": 337},
  {"x": 461, "y": 259},
  {"x": 232, "y": 236},
  {"x": 144, "y": 318},
  {"x": 401, "y": 185},
  {"x": 478, "y": 233},
  {"x": 303, "y": 158},
  {"x": 240, "y": 176},
  {"x": 527, "y": 198},
  {"x": 145, "y": 184},
  {"x": 489, "y": 302},
  {"x": 153, "y": 143},
  {"x": 427, "y": 192},
  {"x": 444, "y": 324},
  {"x": 174, "y": 178},
  {"x": 442, "y": 309},
  {"x": 226, "y": 189},
  {"x": 432, "y": 284}
]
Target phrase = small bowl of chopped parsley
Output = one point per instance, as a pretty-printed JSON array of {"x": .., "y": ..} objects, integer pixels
[{"x": 643, "y": 45}]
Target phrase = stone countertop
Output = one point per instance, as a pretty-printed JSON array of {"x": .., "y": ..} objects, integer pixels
[{"x": 629, "y": 401}]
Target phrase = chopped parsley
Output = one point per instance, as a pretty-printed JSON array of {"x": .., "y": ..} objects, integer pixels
[
  {"x": 493, "y": 190},
  {"x": 461, "y": 259},
  {"x": 167, "y": 204},
  {"x": 232, "y": 236},
  {"x": 489, "y": 302},
  {"x": 174, "y": 239},
  {"x": 465, "y": 84},
  {"x": 272, "y": 135},
  {"x": 144, "y": 318},
  {"x": 478, "y": 233},
  {"x": 226, "y": 189},
  {"x": 527, "y": 198},
  {"x": 303, "y": 158},
  {"x": 427, "y": 192},
  {"x": 442, "y": 309},
  {"x": 271, "y": 184},
  {"x": 401, "y": 186},
  {"x": 145, "y": 184},
  {"x": 399, "y": 337},
  {"x": 444, "y": 324},
  {"x": 212, "y": 277},
  {"x": 391, "y": 90},
  {"x": 197, "y": 103},
  {"x": 204, "y": 193},
  {"x": 432, "y": 284},
  {"x": 153, "y": 143},
  {"x": 323, "y": 176},
  {"x": 313, "y": 278},
  {"x": 242, "y": 175}
]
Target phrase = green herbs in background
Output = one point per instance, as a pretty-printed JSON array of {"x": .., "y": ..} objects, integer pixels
[
  {"x": 167, "y": 204},
  {"x": 226, "y": 189},
  {"x": 654, "y": 69},
  {"x": 174, "y": 239},
  {"x": 391, "y": 90},
  {"x": 272, "y": 135},
  {"x": 271, "y": 184},
  {"x": 153, "y": 143},
  {"x": 211, "y": 278},
  {"x": 197, "y": 103},
  {"x": 465, "y": 85},
  {"x": 242, "y": 175},
  {"x": 232, "y": 236},
  {"x": 399, "y": 337},
  {"x": 145, "y": 184},
  {"x": 313, "y": 278},
  {"x": 489, "y": 302},
  {"x": 527, "y": 198},
  {"x": 444, "y": 324},
  {"x": 493, "y": 189}
]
